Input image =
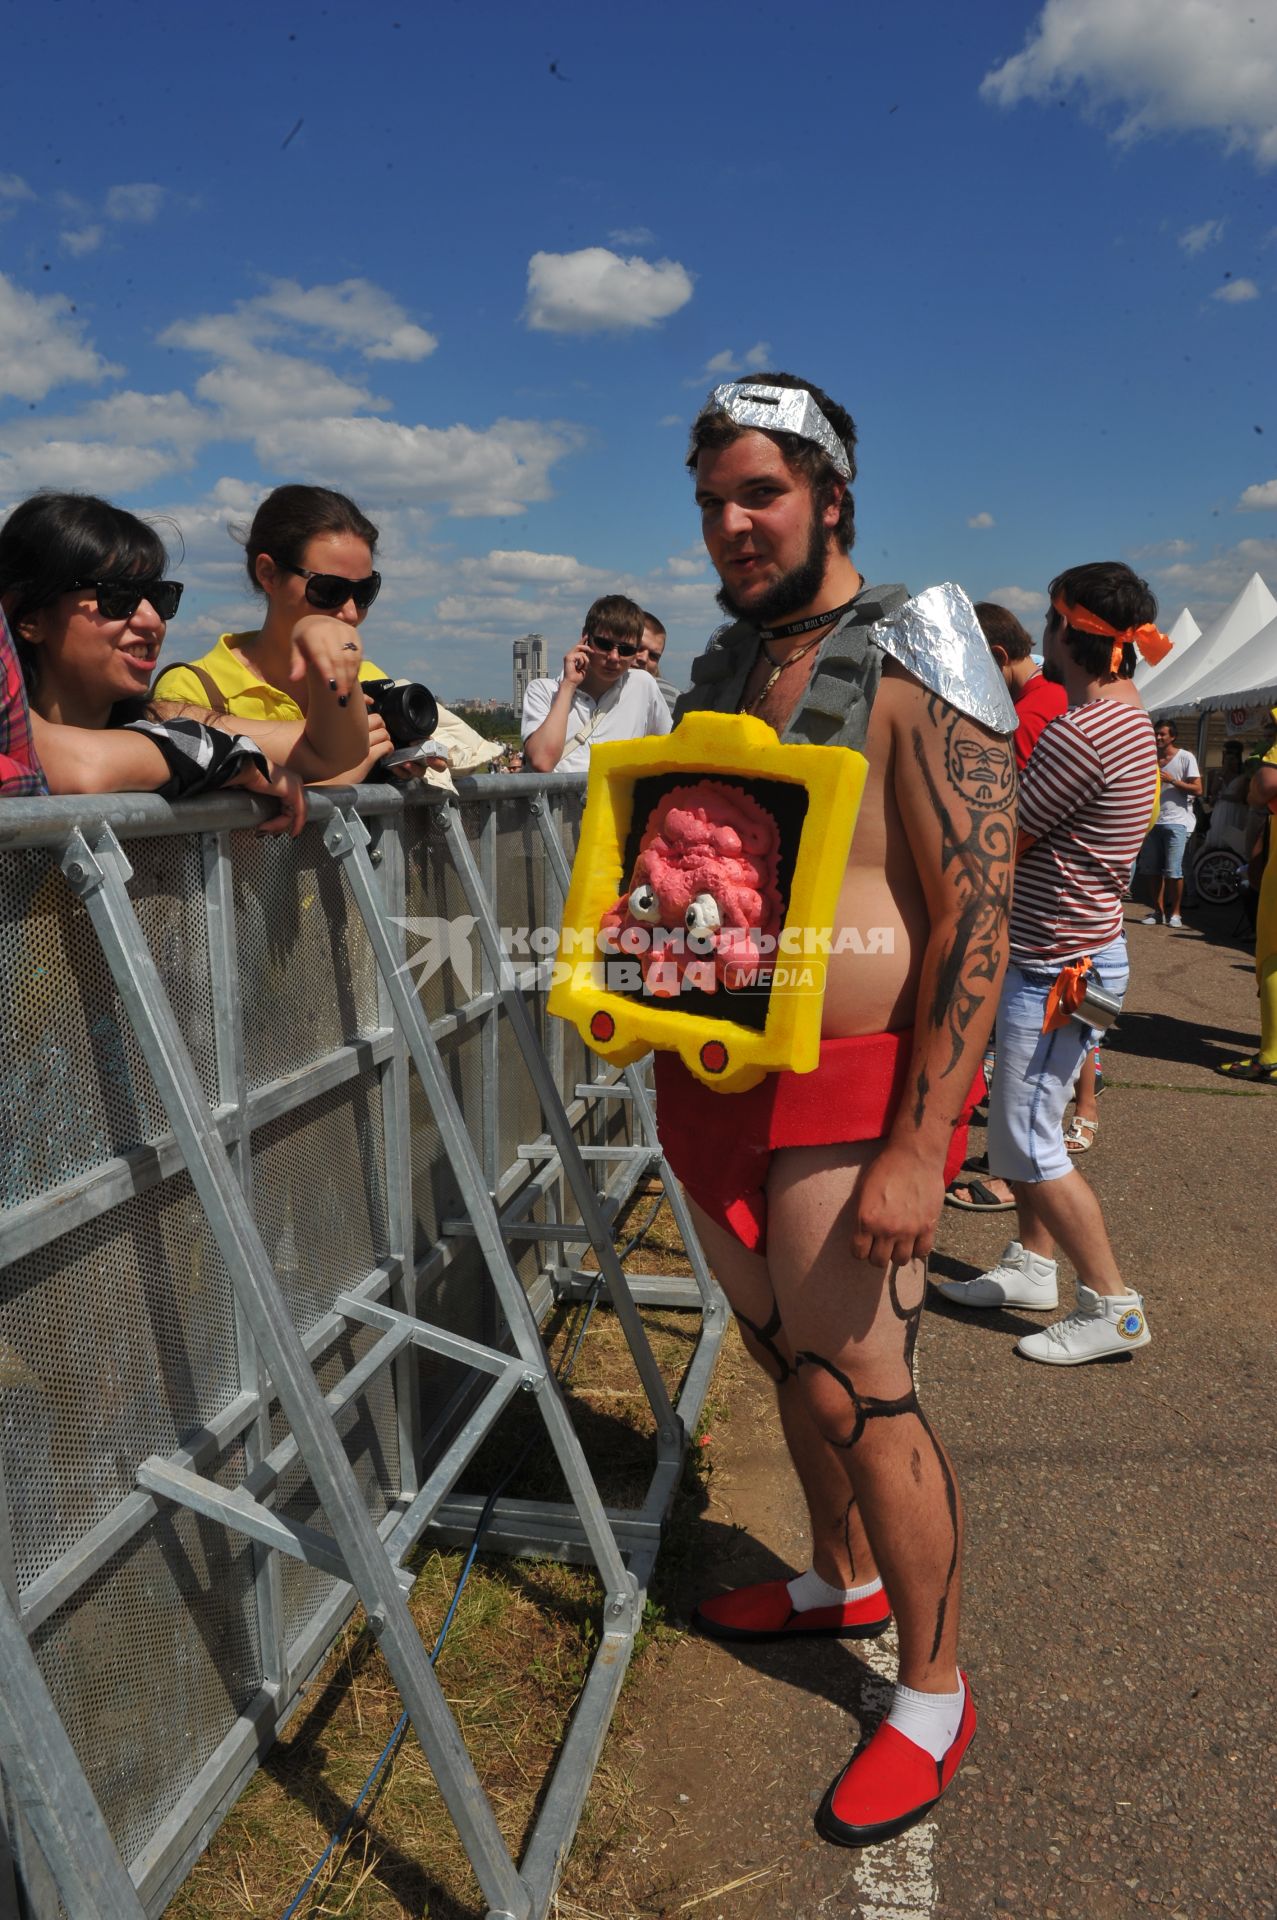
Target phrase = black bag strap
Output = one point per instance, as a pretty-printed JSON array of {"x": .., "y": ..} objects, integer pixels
[{"x": 212, "y": 692}]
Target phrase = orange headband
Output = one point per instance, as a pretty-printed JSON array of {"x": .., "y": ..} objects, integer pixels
[{"x": 1151, "y": 641}]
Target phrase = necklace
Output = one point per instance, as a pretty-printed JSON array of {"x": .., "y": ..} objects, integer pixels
[
  {"x": 778, "y": 667},
  {"x": 807, "y": 626}
]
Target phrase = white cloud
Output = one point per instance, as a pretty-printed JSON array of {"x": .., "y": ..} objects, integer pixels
[
  {"x": 1263, "y": 495},
  {"x": 686, "y": 565},
  {"x": 353, "y": 312},
  {"x": 95, "y": 466},
  {"x": 125, "y": 419},
  {"x": 496, "y": 470},
  {"x": 118, "y": 444},
  {"x": 1196, "y": 239},
  {"x": 1025, "y": 602},
  {"x": 981, "y": 520},
  {"x": 539, "y": 567},
  {"x": 631, "y": 236},
  {"x": 258, "y": 387},
  {"x": 42, "y": 345},
  {"x": 1208, "y": 585},
  {"x": 77, "y": 241},
  {"x": 1236, "y": 290},
  {"x": 1176, "y": 66},
  {"x": 1157, "y": 548},
  {"x": 672, "y": 419},
  {"x": 135, "y": 205},
  {"x": 752, "y": 361},
  {"x": 489, "y": 613},
  {"x": 595, "y": 291},
  {"x": 14, "y": 187}
]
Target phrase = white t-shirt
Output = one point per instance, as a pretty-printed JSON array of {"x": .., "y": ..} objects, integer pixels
[
  {"x": 631, "y": 709},
  {"x": 1177, "y": 808}
]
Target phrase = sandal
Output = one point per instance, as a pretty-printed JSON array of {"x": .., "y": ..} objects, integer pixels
[
  {"x": 1080, "y": 1134},
  {"x": 982, "y": 1199},
  {"x": 1251, "y": 1068}
]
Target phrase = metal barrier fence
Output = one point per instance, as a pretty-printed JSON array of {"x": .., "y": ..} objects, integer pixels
[{"x": 283, "y": 1198}]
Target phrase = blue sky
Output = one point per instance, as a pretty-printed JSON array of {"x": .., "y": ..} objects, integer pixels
[{"x": 479, "y": 265}]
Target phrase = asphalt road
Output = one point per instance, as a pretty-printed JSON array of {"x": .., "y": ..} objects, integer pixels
[{"x": 1121, "y": 1562}]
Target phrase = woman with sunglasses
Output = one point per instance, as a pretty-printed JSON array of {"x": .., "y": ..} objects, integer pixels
[
  {"x": 82, "y": 587},
  {"x": 309, "y": 554}
]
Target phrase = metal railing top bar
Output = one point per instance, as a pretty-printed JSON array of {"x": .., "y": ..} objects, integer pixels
[{"x": 46, "y": 821}]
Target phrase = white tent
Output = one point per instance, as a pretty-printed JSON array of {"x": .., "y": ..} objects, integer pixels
[
  {"x": 1181, "y": 636},
  {"x": 1247, "y": 679},
  {"x": 1203, "y": 666}
]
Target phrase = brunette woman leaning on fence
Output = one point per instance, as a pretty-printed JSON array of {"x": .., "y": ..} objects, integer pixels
[
  {"x": 309, "y": 554},
  {"x": 311, "y": 548},
  {"x": 82, "y": 585}
]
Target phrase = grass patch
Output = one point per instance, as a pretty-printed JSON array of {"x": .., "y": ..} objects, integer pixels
[{"x": 511, "y": 1669}]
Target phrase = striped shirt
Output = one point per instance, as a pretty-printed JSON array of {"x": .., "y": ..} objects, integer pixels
[{"x": 1086, "y": 799}]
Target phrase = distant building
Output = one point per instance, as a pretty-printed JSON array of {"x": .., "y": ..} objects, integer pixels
[{"x": 529, "y": 664}]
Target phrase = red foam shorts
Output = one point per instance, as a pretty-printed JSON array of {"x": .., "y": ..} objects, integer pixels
[{"x": 720, "y": 1144}]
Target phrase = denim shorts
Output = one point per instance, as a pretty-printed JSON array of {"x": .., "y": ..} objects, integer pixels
[
  {"x": 1033, "y": 1080},
  {"x": 1164, "y": 851}
]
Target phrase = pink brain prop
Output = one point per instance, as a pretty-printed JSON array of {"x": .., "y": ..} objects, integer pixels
[{"x": 703, "y": 904}]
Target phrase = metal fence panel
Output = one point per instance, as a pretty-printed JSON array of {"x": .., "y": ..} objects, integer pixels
[{"x": 166, "y": 1642}]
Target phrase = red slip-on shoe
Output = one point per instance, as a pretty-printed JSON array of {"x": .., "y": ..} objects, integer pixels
[
  {"x": 766, "y": 1612},
  {"x": 890, "y": 1784}
]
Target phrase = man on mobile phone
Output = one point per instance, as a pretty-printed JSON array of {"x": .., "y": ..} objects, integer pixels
[{"x": 596, "y": 697}]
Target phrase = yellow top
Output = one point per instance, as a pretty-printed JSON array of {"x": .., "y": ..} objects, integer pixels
[
  {"x": 1270, "y": 758},
  {"x": 243, "y": 692}
]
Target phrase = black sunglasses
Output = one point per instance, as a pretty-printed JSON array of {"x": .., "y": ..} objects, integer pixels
[
  {"x": 328, "y": 591},
  {"x": 626, "y": 648},
  {"x": 120, "y": 599}
]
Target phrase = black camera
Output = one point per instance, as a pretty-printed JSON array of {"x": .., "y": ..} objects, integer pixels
[{"x": 408, "y": 711}]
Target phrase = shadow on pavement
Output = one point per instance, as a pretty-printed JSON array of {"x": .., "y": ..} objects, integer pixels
[{"x": 1158, "y": 1036}]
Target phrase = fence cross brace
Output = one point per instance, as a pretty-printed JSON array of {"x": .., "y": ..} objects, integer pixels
[{"x": 99, "y": 876}]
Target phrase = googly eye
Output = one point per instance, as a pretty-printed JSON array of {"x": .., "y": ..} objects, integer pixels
[
  {"x": 703, "y": 915},
  {"x": 644, "y": 904}
]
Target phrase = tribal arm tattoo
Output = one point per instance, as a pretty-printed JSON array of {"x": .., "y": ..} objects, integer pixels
[{"x": 956, "y": 789}]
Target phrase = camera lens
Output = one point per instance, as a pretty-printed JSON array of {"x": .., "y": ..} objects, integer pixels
[{"x": 408, "y": 710}]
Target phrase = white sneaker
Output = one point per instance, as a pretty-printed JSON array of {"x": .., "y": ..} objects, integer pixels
[
  {"x": 1174, "y": 921},
  {"x": 1020, "y": 1279},
  {"x": 1098, "y": 1327},
  {"x": 1151, "y": 920}
]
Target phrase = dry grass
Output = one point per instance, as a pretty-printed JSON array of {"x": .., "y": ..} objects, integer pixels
[{"x": 511, "y": 1668}]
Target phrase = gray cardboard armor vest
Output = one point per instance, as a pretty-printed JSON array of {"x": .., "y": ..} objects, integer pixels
[{"x": 838, "y": 699}]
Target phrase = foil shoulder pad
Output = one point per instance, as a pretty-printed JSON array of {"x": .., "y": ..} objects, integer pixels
[{"x": 937, "y": 638}]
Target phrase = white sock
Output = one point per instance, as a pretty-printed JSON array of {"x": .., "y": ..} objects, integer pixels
[
  {"x": 809, "y": 1590},
  {"x": 930, "y": 1720}
]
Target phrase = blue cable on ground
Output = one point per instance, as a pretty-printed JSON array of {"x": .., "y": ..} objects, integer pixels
[{"x": 387, "y": 1753}]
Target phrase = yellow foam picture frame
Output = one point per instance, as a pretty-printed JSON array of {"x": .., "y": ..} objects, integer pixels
[{"x": 723, "y": 1053}]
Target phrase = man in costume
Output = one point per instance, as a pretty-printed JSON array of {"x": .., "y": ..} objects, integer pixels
[
  {"x": 817, "y": 1195},
  {"x": 1084, "y": 806}
]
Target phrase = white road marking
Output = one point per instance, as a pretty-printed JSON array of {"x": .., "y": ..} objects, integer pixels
[{"x": 894, "y": 1881}]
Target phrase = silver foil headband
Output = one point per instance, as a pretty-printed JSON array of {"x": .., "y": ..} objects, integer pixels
[{"x": 778, "y": 410}]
